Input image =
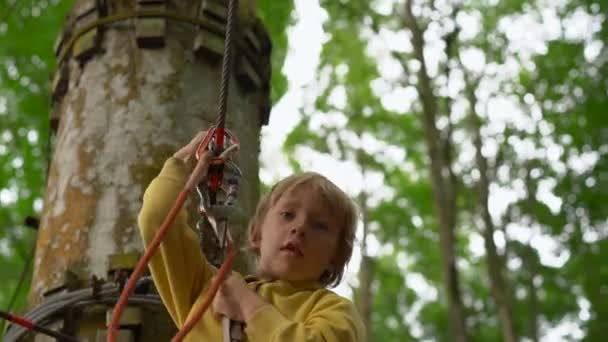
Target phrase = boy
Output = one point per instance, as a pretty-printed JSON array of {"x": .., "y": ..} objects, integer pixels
[{"x": 302, "y": 234}]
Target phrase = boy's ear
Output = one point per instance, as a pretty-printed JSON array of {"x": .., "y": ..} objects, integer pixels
[{"x": 255, "y": 237}]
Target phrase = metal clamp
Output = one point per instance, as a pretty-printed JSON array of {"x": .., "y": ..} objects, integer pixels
[
  {"x": 90, "y": 42},
  {"x": 218, "y": 203},
  {"x": 150, "y": 32},
  {"x": 209, "y": 40},
  {"x": 252, "y": 71}
]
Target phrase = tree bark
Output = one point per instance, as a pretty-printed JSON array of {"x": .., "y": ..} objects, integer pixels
[
  {"x": 125, "y": 111},
  {"x": 442, "y": 182},
  {"x": 498, "y": 283},
  {"x": 364, "y": 297},
  {"x": 533, "y": 306},
  {"x": 531, "y": 264}
]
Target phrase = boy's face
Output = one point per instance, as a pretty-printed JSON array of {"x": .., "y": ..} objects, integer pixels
[{"x": 298, "y": 238}]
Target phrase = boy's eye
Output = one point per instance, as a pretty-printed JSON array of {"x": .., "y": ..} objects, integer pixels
[{"x": 288, "y": 215}]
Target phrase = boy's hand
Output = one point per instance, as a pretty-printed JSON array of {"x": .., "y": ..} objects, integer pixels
[
  {"x": 188, "y": 152},
  {"x": 236, "y": 300}
]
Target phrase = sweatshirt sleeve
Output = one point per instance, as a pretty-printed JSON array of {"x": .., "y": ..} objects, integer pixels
[
  {"x": 179, "y": 268},
  {"x": 333, "y": 319}
]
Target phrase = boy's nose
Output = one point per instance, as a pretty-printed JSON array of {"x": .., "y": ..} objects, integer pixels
[{"x": 298, "y": 229}]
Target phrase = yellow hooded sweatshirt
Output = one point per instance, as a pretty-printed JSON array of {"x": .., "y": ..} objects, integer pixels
[{"x": 298, "y": 312}]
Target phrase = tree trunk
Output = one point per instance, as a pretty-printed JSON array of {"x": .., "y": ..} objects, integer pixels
[
  {"x": 126, "y": 109},
  {"x": 364, "y": 299},
  {"x": 531, "y": 264},
  {"x": 442, "y": 182},
  {"x": 363, "y": 295},
  {"x": 533, "y": 307},
  {"x": 498, "y": 284}
]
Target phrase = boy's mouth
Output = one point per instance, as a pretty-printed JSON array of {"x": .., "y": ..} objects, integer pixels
[{"x": 292, "y": 247}]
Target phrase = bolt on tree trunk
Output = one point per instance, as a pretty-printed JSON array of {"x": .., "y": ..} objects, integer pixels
[{"x": 128, "y": 96}]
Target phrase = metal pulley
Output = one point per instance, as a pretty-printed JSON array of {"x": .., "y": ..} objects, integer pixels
[
  {"x": 218, "y": 202},
  {"x": 219, "y": 191}
]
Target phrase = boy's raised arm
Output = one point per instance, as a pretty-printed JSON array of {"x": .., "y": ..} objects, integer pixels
[{"x": 179, "y": 269}]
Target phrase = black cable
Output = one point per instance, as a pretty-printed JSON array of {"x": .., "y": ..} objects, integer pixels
[
  {"x": 29, "y": 325},
  {"x": 58, "y": 304},
  {"x": 226, "y": 64}
]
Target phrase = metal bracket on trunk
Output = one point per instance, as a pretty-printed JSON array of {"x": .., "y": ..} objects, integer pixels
[
  {"x": 246, "y": 71},
  {"x": 59, "y": 86},
  {"x": 209, "y": 40},
  {"x": 82, "y": 48},
  {"x": 61, "y": 75},
  {"x": 150, "y": 32},
  {"x": 253, "y": 67},
  {"x": 90, "y": 42},
  {"x": 120, "y": 266}
]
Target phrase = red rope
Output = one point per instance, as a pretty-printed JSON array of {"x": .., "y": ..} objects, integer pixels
[
  {"x": 18, "y": 320},
  {"x": 211, "y": 292},
  {"x": 202, "y": 165},
  {"x": 153, "y": 246},
  {"x": 29, "y": 325}
]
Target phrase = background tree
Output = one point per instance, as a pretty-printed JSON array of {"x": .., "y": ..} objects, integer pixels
[{"x": 518, "y": 227}]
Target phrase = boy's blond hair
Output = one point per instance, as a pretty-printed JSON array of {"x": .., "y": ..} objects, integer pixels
[{"x": 343, "y": 207}]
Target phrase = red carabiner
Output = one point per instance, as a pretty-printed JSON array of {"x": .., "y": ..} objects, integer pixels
[{"x": 216, "y": 166}]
